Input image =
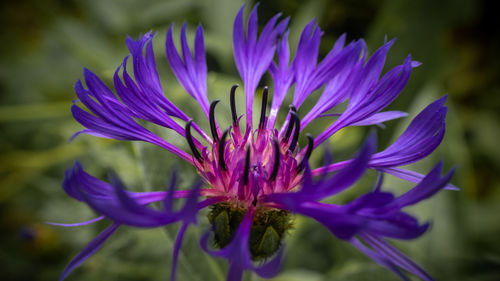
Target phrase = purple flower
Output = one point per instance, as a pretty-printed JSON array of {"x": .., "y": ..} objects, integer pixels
[{"x": 255, "y": 178}]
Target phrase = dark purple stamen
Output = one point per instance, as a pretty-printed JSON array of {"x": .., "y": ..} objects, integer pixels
[
  {"x": 295, "y": 138},
  {"x": 222, "y": 145},
  {"x": 289, "y": 129},
  {"x": 277, "y": 155},
  {"x": 309, "y": 150},
  {"x": 233, "y": 104},
  {"x": 246, "y": 171},
  {"x": 190, "y": 141},
  {"x": 213, "y": 127},
  {"x": 263, "y": 108}
]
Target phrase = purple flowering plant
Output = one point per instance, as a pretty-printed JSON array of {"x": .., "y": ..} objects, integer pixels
[{"x": 255, "y": 178}]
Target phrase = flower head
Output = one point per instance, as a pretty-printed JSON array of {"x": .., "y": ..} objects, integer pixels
[{"x": 255, "y": 178}]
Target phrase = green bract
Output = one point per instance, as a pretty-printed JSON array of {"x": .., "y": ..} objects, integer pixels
[{"x": 268, "y": 228}]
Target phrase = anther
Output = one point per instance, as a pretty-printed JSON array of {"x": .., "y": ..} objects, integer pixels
[
  {"x": 222, "y": 146},
  {"x": 309, "y": 150},
  {"x": 289, "y": 129},
  {"x": 190, "y": 141},
  {"x": 213, "y": 127},
  {"x": 276, "y": 165},
  {"x": 246, "y": 171},
  {"x": 295, "y": 138},
  {"x": 263, "y": 108},
  {"x": 233, "y": 104}
]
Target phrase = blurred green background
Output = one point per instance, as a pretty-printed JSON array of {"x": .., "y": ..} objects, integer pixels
[{"x": 45, "y": 45}]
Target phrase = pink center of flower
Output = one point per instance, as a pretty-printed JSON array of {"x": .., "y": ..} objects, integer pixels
[{"x": 246, "y": 166}]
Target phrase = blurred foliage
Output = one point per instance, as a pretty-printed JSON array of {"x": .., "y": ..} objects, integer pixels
[{"x": 46, "y": 44}]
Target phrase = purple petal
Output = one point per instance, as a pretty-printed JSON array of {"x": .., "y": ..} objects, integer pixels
[
  {"x": 91, "y": 184},
  {"x": 177, "y": 248},
  {"x": 190, "y": 73},
  {"x": 412, "y": 176},
  {"x": 252, "y": 29},
  {"x": 397, "y": 257},
  {"x": 168, "y": 202},
  {"x": 129, "y": 208},
  {"x": 253, "y": 55},
  {"x": 239, "y": 40},
  {"x": 145, "y": 94},
  {"x": 199, "y": 54},
  {"x": 422, "y": 136},
  {"x": 77, "y": 178},
  {"x": 112, "y": 119},
  {"x": 191, "y": 206},
  {"x": 204, "y": 242},
  {"x": 372, "y": 101},
  {"x": 343, "y": 225},
  {"x": 283, "y": 78},
  {"x": 400, "y": 226},
  {"x": 370, "y": 200},
  {"x": 126, "y": 212},
  {"x": 336, "y": 91},
  {"x": 407, "y": 175},
  {"x": 427, "y": 187},
  {"x": 145, "y": 70},
  {"x": 77, "y": 224},
  {"x": 382, "y": 260},
  {"x": 310, "y": 76},
  {"x": 146, "y": 102},
  {"x": 89, "y": 250},
  {"x": 234, "y": 273},
  {"x": 351, "y": 173},
  {"x": 271, "y": 268},
  {"x": 381, "y": 117},
  {"x": 371, "y": 71}
]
